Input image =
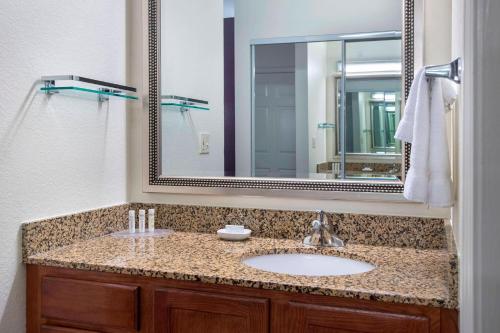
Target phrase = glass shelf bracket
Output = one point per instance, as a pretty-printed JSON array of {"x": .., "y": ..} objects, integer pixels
[
  {"x": 184, "y": 103},
  {"x": 103, "y": 93}
]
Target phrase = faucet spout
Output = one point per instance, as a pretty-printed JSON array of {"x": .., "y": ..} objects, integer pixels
[{"x": 322, "y": 234}]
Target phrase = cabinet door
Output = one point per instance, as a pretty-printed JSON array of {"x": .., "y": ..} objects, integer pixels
[
  {"x": 183, "y": 311},
  {"x": 308, "y": 318},
  {"x": 91, "y": 303}
]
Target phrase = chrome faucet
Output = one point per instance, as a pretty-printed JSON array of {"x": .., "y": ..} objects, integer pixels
[{"x": 322, "y": 234}]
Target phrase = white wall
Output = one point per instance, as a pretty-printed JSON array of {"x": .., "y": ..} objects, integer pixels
[
  {"x": 301, "y": 111},
  {"x": 228, "y": 8},
  {"x": 317, "y": 73},
  {"x": 437, "y": 31},
  {"x": 193, "y": 66},
  {"x": 63, "y": 154}
]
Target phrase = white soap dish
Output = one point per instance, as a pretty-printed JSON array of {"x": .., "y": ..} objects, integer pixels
[{"x": 234, "y": 233}]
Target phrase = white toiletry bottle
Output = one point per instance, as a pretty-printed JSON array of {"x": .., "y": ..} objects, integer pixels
[
  {"x": 131, "y": 221},
  {"x": 151, "y": 220},
  {"x": 142, "y": 220}
]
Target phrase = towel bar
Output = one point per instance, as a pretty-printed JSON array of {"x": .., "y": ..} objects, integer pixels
[{"x": 452, "y": 71}]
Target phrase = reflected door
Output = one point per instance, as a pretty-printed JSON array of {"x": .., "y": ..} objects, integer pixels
[{"x": 275, "y": 125}]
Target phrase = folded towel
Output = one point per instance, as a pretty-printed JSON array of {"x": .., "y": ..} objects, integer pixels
[{"x": 424, "y": 126}]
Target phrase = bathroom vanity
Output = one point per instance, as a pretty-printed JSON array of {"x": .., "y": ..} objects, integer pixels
[{"x": 194, "y": 282}]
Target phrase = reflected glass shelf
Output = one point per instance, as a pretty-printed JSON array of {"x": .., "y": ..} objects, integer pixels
[
  {"x": 184, "y": 107},
  {"x": 326, "y": 125},
  {"x": 56, "y": 89},
  {"x": 375, "y": 178}
]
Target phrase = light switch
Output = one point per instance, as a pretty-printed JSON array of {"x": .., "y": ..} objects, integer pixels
[{"x": 204, "y": 143}]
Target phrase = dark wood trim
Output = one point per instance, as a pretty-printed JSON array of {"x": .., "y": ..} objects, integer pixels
[{"x": 33, "y": 299}]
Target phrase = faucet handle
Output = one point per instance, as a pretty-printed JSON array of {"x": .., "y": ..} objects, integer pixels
[
  {"x": 323, "y": 218},
  {"x": 316, "y": 225}
]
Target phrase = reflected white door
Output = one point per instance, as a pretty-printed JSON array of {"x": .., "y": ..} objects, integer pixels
[{"x": 275, "y": 125}]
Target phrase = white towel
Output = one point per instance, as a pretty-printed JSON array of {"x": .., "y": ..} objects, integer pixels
[{"x": 424, "y": 126}]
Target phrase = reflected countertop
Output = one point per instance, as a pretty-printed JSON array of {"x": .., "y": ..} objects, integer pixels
[{"x": 402, "y": 275}]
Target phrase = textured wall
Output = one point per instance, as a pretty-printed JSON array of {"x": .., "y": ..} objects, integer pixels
[
  {"x": 196, "y": 70},
  {"x": 64, "y": 154}
]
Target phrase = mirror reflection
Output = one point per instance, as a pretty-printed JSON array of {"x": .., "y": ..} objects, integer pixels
[{"x": 281, "y": 89}]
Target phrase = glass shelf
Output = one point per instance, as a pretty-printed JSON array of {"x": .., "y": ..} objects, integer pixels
[
  {"x": 55, "y": 89},
  {"x": 379, "y": 178},
  {"x": 183, "y": 104},
  {"x": 326, "y": 125},
  {"x": 185, "y": 107}
]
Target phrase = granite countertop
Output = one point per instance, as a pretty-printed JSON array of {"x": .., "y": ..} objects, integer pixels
[{"x": 402, "y": 275}]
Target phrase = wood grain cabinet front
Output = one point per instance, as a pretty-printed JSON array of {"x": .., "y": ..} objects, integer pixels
[
  {"x": 182, "y": 311},
  {"x": 90, "y": 303},
  {"x": 310, "y": 318},
  {"x": 72, "y": 301}
]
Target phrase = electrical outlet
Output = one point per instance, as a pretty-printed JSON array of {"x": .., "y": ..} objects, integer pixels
[
  {"x": 204, "y": 143},
  {"x": 313, "y": 143}
]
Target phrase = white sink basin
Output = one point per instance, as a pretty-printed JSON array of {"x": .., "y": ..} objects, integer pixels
[{"x": 308, "y": 264}]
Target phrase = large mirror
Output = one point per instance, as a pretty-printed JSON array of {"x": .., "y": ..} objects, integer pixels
[{"x": 280, "y": 91}]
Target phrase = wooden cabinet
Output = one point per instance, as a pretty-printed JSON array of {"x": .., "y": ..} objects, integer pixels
[
  {"x": 90, "y": 302},
  {"x": 72, "y": 301},
  {"x": 309, "y": 318},
  {"x": 179, "y": 311}
]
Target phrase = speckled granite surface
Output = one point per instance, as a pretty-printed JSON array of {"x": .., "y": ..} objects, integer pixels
[
  {"x": 48, "y": 234},
  {"x": 417, "y": 232},
  {"x": 415, "y": 257},
  {"x": 403, "y": 275},
  {"x": 453, "y": 263}
]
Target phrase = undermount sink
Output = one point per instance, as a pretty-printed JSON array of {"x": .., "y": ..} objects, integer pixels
[{"x": 308, "y": 264}]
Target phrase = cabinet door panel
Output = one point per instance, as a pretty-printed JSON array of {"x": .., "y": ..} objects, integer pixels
[
  {"x": 181, "y": 311},
  {"x": 90, "y": 303},
  {"x": 308, "y": 318}
]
